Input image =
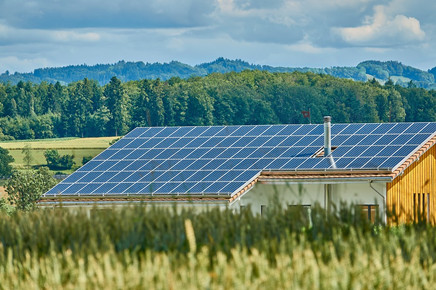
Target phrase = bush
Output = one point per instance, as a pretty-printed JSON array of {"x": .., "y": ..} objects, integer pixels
[
  {"x": 5, "y": 206},
  {"x": 5, "y": 160},
  {"x": 25, "y": 188},
  {"x": 85, "y": 159},
  {"x": 56, "y": 162}
]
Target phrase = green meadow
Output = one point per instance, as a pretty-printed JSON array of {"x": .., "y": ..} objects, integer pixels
[{"x": 79, "y": 147}]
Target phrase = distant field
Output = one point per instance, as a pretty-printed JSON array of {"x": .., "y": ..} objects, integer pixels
[{"x": 79, "y": 147}]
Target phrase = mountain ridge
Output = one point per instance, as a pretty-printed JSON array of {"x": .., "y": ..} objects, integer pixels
[{"x": 382, "y": 71}]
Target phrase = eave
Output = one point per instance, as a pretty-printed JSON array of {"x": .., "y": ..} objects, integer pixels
[
  {"x": 83, "y": 200},
  {"x": 414, "y": 156},
  {"x": 317, "y": 176}
]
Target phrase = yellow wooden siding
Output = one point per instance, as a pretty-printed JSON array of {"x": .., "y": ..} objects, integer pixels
[{"x": 418, "y": 178}]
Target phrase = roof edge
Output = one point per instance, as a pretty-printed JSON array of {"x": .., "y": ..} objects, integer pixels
[
  {"x": 325, "y": 172},
  {"x": 72, "y": 198},
  {"x": 414, "y": 157},
  {"x": 244, "y": 190}
]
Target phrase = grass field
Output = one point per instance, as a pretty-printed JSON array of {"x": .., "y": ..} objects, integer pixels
[
  {"x": 79, "y": 147},
  {"x": 155, "y": 248}
]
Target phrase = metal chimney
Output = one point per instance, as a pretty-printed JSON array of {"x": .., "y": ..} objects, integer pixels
[{"x": 327, "y": 136}]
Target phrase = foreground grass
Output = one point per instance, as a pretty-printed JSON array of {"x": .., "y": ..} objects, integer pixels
[
  {"x": 79, "y": 147},
  {"x": 137, "y": 247}
]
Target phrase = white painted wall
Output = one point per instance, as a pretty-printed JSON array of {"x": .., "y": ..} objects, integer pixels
[{"x": 311, "y": 193}]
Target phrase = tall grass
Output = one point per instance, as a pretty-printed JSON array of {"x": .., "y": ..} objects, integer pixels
[{"x": 158, "y": 248}]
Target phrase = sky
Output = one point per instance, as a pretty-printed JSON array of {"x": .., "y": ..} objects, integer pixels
[{"x": 291, "y": 33}]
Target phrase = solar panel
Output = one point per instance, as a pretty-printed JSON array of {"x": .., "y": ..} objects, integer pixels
[{"x": 223, "y": 159}]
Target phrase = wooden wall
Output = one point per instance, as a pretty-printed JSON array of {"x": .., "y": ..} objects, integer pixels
[{"x": 412, "y": 195}]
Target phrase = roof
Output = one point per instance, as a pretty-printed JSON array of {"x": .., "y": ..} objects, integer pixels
[{"x": 226, "y": 160}]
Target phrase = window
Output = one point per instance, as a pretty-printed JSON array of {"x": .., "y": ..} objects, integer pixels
[
  {"x": 421, "y": 207},
  {"x": 369, "y": 211}
]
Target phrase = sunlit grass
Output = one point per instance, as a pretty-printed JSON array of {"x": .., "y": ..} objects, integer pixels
[
  {"x": 161, "y": 248},
  {"x": 79, "y": 147}
]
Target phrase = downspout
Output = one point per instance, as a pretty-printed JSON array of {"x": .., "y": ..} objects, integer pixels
[
  {"x": 327, "y": 153},
  {"x": 384, "y": 201}
]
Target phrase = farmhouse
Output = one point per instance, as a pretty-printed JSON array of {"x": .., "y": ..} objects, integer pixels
[{"x": 380, "y": 167}]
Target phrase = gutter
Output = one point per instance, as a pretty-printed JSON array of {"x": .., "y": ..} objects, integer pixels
[{"x": 331, "y": 180}]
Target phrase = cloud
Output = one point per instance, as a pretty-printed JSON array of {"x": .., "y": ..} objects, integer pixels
[
  {"x": 382, "y": 30},
  {"x": 10, "y": 36},
  {"x": 55, "y": 14},
  {"x": 277, "y": 32}
]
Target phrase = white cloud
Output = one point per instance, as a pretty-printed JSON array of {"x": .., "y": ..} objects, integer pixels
[
  {"x": 11, "y": 35},
  {"x": 276, "y": 32},
  {"x": 383, "y": 30}
]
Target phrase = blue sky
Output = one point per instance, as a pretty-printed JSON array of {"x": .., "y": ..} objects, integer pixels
[{"x": 294, "y": 33}]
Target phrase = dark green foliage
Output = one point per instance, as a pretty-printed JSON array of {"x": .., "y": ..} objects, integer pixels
[
  {"x": 57, "y": 162},
  {"x": 5, "y": 160},
  {"x": 84, "y": 108},
  {"x": 85, "y": 159},
  {"x": 114, "y": 141},
  {"x": 24, "y": 189},
  {"x": 117, "y": 102}
]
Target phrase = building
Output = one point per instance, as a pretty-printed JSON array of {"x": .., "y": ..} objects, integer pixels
[{"x": 387, "y": 166}]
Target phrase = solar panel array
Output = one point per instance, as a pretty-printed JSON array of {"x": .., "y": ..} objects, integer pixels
[{"x": 221, "y": 160}]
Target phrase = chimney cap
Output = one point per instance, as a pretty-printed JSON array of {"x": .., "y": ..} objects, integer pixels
[{"x": 327, "y": 119}]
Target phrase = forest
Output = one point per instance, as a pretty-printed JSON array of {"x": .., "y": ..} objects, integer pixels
[
  {"x": 129, "y": 71},
  {"x": 85, "y": 108}
]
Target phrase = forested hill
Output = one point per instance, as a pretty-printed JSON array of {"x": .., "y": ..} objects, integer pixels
[
  {"x": 85, "y": 108},
  {"x": 128, "y": 71}
]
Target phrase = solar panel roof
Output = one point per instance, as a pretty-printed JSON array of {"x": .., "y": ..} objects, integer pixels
[{"x": 221, "y": 160}]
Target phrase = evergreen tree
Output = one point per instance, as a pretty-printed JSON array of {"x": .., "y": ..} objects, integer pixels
[
  {"x": 77, "y": 109},
  {"x": 5, "y": 160},
  {"x": 117, "y": 102}
]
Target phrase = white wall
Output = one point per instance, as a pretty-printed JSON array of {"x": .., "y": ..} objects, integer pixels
[{"x": 311, "y": 193}]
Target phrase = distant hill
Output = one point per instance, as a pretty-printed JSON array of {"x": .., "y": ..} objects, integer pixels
[{"x": 127, "y": 71}]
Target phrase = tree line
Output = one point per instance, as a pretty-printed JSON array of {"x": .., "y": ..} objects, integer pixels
[
  {"x": 85, "y": 108},
  {"x": 130, "y": 71}
]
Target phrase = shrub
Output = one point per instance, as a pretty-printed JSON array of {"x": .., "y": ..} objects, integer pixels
[
  {"x": 5, "y": 160},
  {"x": 85, "y": 159},
  {"x": 25, "y": 188},
  {"x": 55, "y": 161}
]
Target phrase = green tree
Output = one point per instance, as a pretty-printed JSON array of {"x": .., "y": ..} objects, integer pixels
[
  {"x": 5, "y": 160},
  {"x": 199, "y": 105},
  {"x": 25, "y": 188},
  {"x": 27, "y": 155},
  {"x": 55, "y": 161},
  {"x": 149, "y": 108},
  {"x": 97, "y": 122},
  {"x": 5, "y": 206},
  {"x": 52, "y": 158},
  {"x": 117, "y": 102},
  {"x": 77, "y": 109}
]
